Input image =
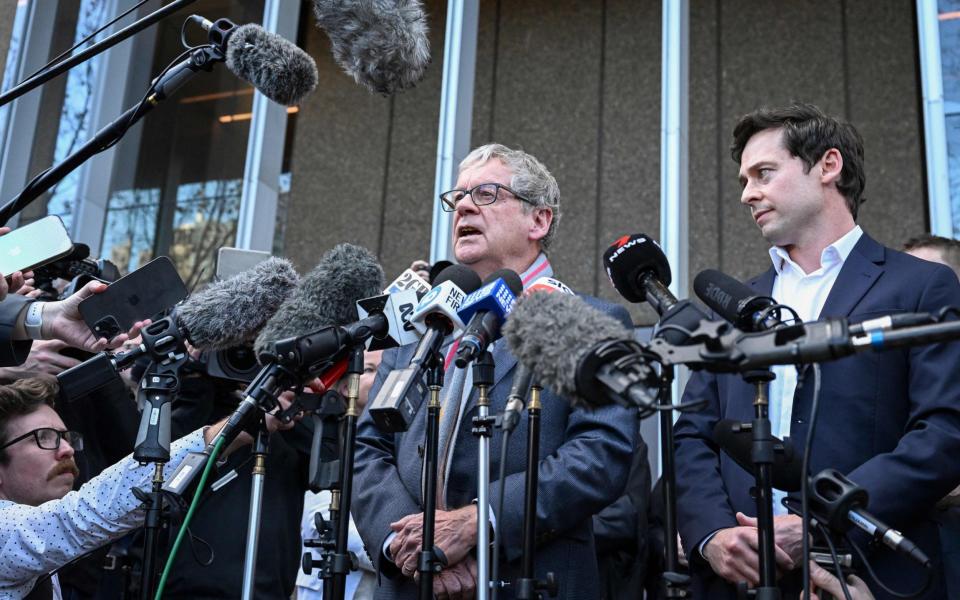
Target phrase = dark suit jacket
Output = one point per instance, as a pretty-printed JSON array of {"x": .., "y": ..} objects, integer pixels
[
  {"x": 585, "y": 459},
  {"x": 889, "y": 420},
  {"x": 12, "y": 353}
]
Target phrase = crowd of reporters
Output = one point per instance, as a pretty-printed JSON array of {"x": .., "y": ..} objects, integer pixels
[{"x": 596, "y": 463}]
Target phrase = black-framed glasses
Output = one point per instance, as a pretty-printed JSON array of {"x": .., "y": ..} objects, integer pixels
[
  {"x": 481, "y": 195},
  {"x": 48, "y": 438}
]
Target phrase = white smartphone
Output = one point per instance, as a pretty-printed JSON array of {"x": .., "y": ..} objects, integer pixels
[
  {"x": 231, "y": 261},
  {"x": 36, "y": 244}
]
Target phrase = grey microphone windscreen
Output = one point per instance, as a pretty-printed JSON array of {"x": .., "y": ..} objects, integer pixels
[
  {"x": 230, "y": 312},
  {"x": 274, "y": 65},
  {"x": 550, "y": 333},
  {"x": 382, "y": 44},
  {"x": 327, "y": 295}
]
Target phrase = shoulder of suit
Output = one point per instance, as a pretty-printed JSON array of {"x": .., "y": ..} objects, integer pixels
[{"x": 617, "y": 311}]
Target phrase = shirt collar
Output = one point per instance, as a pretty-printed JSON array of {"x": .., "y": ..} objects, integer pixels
[
  {"x": 835, "y": 253},
  {"x": 541, "y": 267}
]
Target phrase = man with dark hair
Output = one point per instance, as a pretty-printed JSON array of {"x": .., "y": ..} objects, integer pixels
[
  {"x": 884, "y": 418},
  {"x": 935, "y": 248}
]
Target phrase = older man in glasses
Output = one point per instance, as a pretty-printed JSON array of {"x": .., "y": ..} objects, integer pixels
[{"x": 505, "y": 207}]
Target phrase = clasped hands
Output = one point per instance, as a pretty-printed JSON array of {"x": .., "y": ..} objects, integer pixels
[
  {"x": 733, "y": 553},
  {"x": 455, "y": 534}
]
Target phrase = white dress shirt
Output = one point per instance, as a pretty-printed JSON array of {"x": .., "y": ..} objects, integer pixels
[
  {"x": 362, "y": 583},
  {"x": 805, "y": 293},
  {"x": 35, "y": 540}
]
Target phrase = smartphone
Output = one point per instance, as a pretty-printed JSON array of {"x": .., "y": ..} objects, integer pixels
[
  {"x": 231, "y": 261},
  {"x": 36, "y": 244},
  {"x": 151, "y": 289}
]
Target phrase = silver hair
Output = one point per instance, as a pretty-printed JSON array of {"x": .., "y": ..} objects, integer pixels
[{"x": 530, "y": 179}]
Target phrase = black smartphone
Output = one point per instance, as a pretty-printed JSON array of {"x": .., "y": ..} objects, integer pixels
[
  {"x": 154, "y": 287},
  {"x": 36, "y": 244}
]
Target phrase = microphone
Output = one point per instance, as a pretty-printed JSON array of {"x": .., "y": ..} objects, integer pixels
[
  {"x": 383, "y": 45},
  {"x": 579, "y": 352},
  {"x": 839, "y": 502},
  {"x": 326, "y": 296},
  {"x": 435, "y": 318},
  {"x": 274, "y": 65},
  {"x": 523, "y": 376},
  {"x": 484, "y": 311},
  {"x": 735, "y": 302},
  {"x": 736, "y": 439},
  {"x": 549, "y": 285},
  {"x": 639, "y": 271},
  {"x": 224, "y": 314}
]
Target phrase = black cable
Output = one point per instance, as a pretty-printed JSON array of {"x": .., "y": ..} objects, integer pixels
[
  {"x": 497, "y": 518},
  {"x": 56, "y": 59},
  {"x": 804, "y": 476},
  {"x": 836, "y": 561},
  {"x": 866, "y": 564}
]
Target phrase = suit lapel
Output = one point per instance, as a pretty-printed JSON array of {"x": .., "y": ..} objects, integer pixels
[{"x": 858, "y": 274}]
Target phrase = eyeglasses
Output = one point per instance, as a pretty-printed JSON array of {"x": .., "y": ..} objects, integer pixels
[
  {"x": 48, "y": 438},
  {"x": 481, "y": 195}
]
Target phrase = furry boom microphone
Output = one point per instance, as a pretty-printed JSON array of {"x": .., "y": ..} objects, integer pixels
[
  {"x": 327, "y": 295},
  {"x": 382, "y": 44},
  {"x": 277, "y": 67}
]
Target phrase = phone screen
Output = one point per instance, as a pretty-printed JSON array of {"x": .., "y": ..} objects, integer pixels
[{"x": 34, "y": 245}]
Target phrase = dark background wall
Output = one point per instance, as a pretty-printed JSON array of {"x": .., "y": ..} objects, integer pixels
[{"x": 577, "y": 84}]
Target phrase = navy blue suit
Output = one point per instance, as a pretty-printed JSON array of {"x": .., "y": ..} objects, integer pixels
[
  {"x": 889, "y": 420},
  {"x": 585, "y": 459}
]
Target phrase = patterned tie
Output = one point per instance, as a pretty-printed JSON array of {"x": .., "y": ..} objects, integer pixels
[{"x": 449, "y": 415}]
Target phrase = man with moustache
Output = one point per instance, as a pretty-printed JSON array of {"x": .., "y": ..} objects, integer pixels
[
  {"x": 36, "y": 451},
  {"x": 505, "y": 210},
  {"x": 885, "y": 419}
]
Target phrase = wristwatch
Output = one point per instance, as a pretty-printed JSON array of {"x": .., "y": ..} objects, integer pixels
[{"x": 34, "y": 320}]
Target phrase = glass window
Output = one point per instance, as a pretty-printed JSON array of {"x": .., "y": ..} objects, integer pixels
[
  {"x": 949, "y": 20},
  {"x": 177, "y": 188}
]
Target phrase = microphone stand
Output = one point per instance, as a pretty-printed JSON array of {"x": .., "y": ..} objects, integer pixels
[
  {"x": 483, "y": 370},
  {"x": 158, "y": 388},
  {"x": 673, "y": 583},
  {"x": 102, "y": 46},
  {"x": 528, "y": 586},
  {"x": 431, "y": 559},
  {"x": 762, "y": 454},
  {"x": 343, "y": 561},
  {"x": 261, "y": 447},
  {"x": 201, "y": 59}
]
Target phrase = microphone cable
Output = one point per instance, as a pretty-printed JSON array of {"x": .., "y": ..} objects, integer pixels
[
  {"x": 887, "y": 590},
  {"x": 836, "y": 561},
  {"x": 211, "y": 461},
  {"x": 804, "y": 477},
  {"x": 57, "y": 59}
]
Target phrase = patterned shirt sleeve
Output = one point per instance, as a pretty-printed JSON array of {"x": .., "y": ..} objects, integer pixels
[{"x": 35, "y": 540}]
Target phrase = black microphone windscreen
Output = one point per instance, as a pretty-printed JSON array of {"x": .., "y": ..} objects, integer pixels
[
  {"x": 551, "y": 333},
  {"x": 630, "y": 257},
  {"x": 463, "y": 277},
  {"x": 274, "y": 65},
  {"x": 231, "y": 312},
  {"x": 510, "y": 277},
  {"x": 327, "y": 295},
  {"x": 722, "y": 293},
  {"x": 382, "y": 44},
  {"x": 437, "y": 268},
  {"x": 737, "y": 442}
]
